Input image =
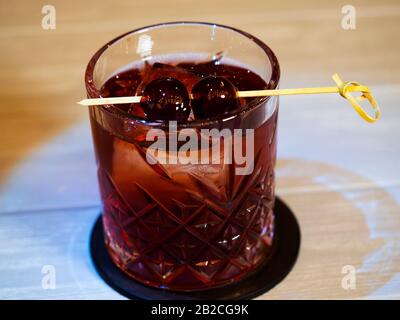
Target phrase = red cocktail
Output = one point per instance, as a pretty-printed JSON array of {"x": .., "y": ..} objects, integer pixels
[{"x": 198, "y": 223}]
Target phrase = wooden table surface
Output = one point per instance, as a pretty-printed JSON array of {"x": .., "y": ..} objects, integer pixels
[{"x": 340, "y": 175}]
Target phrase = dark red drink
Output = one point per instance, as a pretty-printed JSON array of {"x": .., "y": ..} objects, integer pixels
[{"x": 186, "y": 226}]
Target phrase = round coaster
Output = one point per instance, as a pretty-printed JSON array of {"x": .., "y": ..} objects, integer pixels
[{"x": 284, "y": 254}]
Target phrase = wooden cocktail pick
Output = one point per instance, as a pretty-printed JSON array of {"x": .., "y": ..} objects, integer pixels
[{"x": 345, "y": 89}]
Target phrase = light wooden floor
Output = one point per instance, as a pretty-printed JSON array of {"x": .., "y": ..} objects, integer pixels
[{"x": 340, "y": 175}]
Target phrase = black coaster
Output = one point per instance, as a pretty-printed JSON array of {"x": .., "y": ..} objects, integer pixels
[{"x": 284, "y": 254}]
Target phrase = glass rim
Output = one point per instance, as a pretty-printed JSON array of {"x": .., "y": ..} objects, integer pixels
[{"x": 112, "y": 109}]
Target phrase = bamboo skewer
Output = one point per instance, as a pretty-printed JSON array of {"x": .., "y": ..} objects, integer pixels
[
  {"x": 105, "y": 101},
  {"x": 344, "y": 88},
  {"x": 240, "y": 94}
]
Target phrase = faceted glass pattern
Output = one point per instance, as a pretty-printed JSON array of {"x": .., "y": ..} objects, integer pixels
[{"x": 185, "y": 227}]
